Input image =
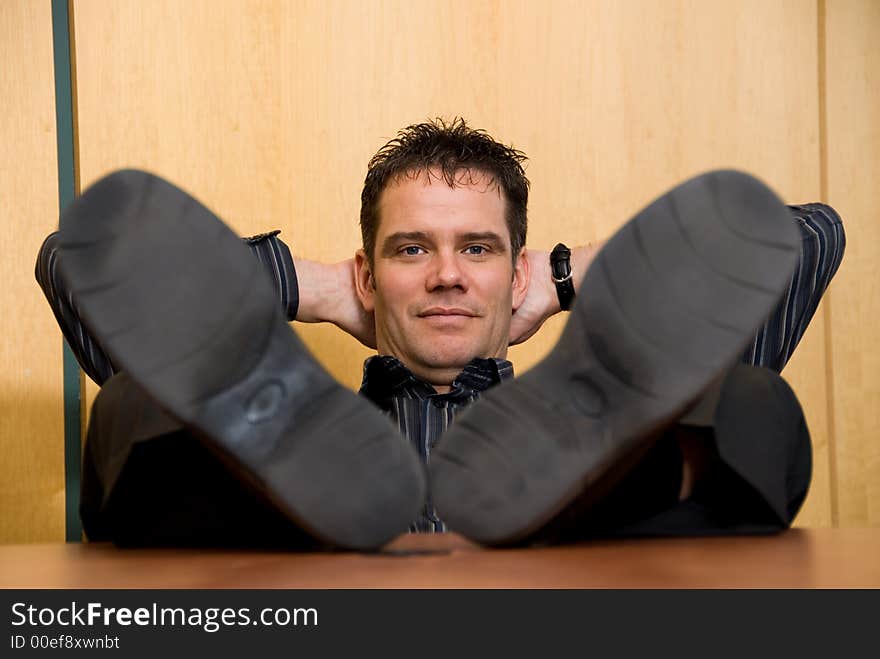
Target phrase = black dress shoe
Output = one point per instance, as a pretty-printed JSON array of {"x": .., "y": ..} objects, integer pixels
[
  {"x": 179, "y": 304},
  {"x": 665, "y": 308}
]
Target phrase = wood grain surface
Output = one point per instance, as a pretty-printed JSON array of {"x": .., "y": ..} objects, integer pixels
[
  {"x": 799, "y": 558},
  {"x": 31, "y": 385},
  {"x": 853, "y": 152}
]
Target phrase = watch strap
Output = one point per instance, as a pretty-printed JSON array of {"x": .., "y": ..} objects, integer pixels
[{"x": 561, "y": 273}]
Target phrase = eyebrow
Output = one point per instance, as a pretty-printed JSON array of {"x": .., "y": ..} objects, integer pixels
[
  {"x": 496, "y": 241},
  {"x": 391, "y": 242}
]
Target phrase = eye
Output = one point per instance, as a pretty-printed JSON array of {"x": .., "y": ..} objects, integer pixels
[
  {"x": 476, "y": 250},
  {"x": 412, "y": 250}
]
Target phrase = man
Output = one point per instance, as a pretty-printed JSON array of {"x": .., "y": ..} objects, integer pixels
[{"x": 220, "y": 428}]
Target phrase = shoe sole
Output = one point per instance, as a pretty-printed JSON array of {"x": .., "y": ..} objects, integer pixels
[
  {"x": 180, "y": 304},
  {"x": 666, "y": 306}
]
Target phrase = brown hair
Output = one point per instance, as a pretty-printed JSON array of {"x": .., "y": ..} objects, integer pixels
[{"x": 450, "y": 148}]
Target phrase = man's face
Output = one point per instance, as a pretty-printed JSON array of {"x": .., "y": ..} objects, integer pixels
[{"x": 443, "y": 285}]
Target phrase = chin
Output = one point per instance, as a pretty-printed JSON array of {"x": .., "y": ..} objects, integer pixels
[{"x": 451, "y": 357}]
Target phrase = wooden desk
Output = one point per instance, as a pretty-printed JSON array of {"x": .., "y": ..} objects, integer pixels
[{"x": 800, "y": 558}]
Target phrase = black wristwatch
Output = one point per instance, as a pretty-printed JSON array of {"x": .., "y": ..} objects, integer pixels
[{"x": 560, "y": 271}]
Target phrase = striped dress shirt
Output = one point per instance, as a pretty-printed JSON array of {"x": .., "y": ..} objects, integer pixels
[
  {"x": 421, "y": 414},
  {"x": 266, "y": 247},
  {"x": 822, "y": 243}
]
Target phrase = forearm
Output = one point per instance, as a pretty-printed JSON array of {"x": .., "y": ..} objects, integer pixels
[
  {"x": 267, "y": 248},
  {"x": 823, "y": 241},
  {"x": 322, "y": 286},
  {"x": 541, "y": 300},
  {"x": 581, "y": 258},
  {"x": 328, "y": 294},
  {"x": 88, "y": 353}
]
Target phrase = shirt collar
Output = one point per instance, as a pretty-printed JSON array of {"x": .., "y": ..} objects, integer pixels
[{"x": 385, "y": 377}]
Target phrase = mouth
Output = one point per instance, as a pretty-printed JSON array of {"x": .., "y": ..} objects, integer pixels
[{"x": 441, "y": 312}]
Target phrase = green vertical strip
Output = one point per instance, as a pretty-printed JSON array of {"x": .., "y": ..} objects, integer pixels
[{"x": 66, "y": 193}]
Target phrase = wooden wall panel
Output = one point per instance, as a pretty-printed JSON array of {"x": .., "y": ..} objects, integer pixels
[
  {"x": 853, "y": 116},
  {"x": 31, "y": 395},
  {"x": 269, "y": 112}
]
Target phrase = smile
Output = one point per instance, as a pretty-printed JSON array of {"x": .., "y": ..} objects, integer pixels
[{"x": 446, "y": 311}]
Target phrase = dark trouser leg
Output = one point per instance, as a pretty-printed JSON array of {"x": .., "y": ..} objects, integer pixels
[
  {"x": 758, "y": 479},
  {"x": 147, "y": 481},
  {"x": 762, "y": 439}
]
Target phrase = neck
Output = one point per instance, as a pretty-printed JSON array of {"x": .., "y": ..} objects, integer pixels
[{"x": 440, "y": 379}]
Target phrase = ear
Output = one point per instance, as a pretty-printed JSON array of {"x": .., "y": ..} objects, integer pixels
[
  {"x": 363, "y": 281},
  {"x": 521, "y": 276}
]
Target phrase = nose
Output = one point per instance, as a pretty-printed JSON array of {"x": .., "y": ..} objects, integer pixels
[{"x": 446, "y": 272}]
